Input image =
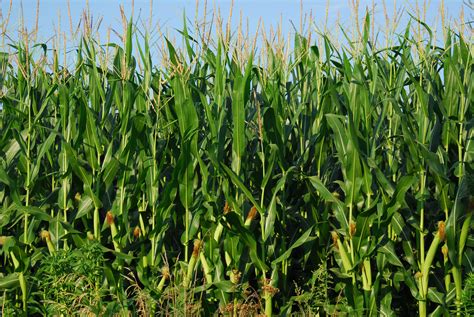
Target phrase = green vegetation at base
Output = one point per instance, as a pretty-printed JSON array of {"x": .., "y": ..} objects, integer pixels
[{"x": 325, "y": 180}]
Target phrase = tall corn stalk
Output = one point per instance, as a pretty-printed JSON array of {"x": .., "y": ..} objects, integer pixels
[{"x": 222, "y": 176}]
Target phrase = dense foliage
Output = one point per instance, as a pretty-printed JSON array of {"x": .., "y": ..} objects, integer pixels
[{"x": 324, "y": 181}]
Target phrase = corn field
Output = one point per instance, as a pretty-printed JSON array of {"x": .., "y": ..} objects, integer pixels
[{"x": 238, "y": 178}]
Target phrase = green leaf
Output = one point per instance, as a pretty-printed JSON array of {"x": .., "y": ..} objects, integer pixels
[
  {"x": 80, "y": 171},
  {"x": 272, "y": 212},
  {"x": 225, "y": 286},
  {"x": 9, "y": 282},
  {"x": 340, "y": 211},
  {"x": 239, "y": 96},
  {"x": 36, "y": 212},
  {"x": 245, "y": 235},
  {"x": 453, "y": 226},
  {"x": 389, "y": 250},
  {"x": 238, "y": 182},
  {"x": 110, "y": 170},
  {"x": 85, "y": 206},
  {"x": 4, "y": 178},
  {"x": 435, "y": 296},
  {"x": 304, "y": 238}
]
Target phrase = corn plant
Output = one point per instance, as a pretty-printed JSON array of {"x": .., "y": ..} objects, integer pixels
[{"x": 235, "y": 174}]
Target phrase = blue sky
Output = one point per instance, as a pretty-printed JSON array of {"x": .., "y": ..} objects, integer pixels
[{"x": 168, "y": 13}]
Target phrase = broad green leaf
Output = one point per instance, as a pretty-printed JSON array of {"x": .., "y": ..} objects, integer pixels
[
  {"x": 237, "y": 182},
  {"x": 389, "y": 250},
  {"x": 11, "y": 281},
  {"x": 305, "y": 237},
  {"x": 453, "y": 226},
  {"x": 85, "y": 206},
  {"x": 340, "y": 210}
]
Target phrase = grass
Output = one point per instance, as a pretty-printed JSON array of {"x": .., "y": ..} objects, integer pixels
[{"x": 239, "y": 176}]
